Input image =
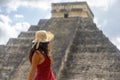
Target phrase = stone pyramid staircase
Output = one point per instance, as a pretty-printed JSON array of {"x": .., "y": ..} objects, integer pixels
[
  {"x": 91, "y": 56},
  {"x": 80, "y": 51}
]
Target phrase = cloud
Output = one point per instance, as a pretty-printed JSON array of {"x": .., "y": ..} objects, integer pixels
[
  {"x": 6, "y": 32},
  {"x": 10, "y": 31},
  {"x": 21, "y": 27},
  {"x": 5, "y": 19},
  {"x": 39, "y": 4},
  {"x": 101, "y": 4},
  {"x": 12, "y": 5},
  {"x": 19, "y": 16}
]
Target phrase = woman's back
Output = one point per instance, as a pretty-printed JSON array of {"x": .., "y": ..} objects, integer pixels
[{"x": 44, "y": 71}]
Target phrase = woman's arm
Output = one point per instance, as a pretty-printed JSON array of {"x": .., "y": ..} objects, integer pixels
[{"x": 35, "y": 60}]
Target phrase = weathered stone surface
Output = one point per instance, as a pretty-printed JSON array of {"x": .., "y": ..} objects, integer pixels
[
  {"x": 91, "y": 57},
  {"x": 28, "y": 35}
]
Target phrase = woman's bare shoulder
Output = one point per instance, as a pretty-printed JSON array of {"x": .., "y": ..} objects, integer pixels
[
  {"x": 38, "y": 53},
  {"x": 37, "y": 57}
]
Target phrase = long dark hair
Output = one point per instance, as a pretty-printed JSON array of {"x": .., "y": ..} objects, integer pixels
[{"x": 42, "y": 47}]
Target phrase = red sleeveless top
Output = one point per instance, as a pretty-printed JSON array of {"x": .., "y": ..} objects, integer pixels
[{"x": 44, "y": 70}]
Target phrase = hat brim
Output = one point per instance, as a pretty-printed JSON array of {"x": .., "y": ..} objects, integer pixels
[{"x": 50, "y": 37}]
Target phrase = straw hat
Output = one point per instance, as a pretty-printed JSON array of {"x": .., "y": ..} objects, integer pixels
[{"x": 43, "y": 36}]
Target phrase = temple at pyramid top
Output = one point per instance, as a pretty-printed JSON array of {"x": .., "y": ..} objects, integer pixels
[{"x": 71, "y": 9}]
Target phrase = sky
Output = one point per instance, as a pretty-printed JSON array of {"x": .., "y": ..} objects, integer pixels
[{"x": 18, "y": 15}]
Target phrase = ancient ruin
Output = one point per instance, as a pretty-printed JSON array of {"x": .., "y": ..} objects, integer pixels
[{"x": 80, "y": 50}]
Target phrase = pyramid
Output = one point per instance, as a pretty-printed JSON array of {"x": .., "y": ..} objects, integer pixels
[{"x": 80, "y": 50}]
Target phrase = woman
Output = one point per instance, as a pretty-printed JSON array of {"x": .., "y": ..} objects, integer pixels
[{"x": 40, "y": 57}]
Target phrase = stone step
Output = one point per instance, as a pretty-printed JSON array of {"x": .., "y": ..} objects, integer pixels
[
  {"x": 89, "y": 31},
  {"x": 99, "y": 66},
  {"x": 2, "y": 51},
  {"x": 42, "y": 21},
  {"x": 64, "y": 20},
  {"x": 93, "y": 49},
  {"x": 97, "y": 47},
  {"x": 104, "y": 55},
  {"x": 93, "y": 38},
  {"x": 34, "y": 28},
  {"x": 11, "y": 63},
  {"x": 19, "y": 41},
  {"x": 17, "y": 48},
  {"x": 90, "y": 34},
  {"x": 46, "y": 24},
  {"x": 86, "y": 30},
  {"x": 4, "y": 74},
  {"x": 88, "y": 41},
  {"x": 86, "y": 21},
  {"x": 2, "y": 55},
  {"x": 90, "y": 76},
  {"x": 92, "y": 61},
  {"x": 27, "y": 35},
  {"x": 15, "y": 57},
  {"x": 90, "y": 26}
]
